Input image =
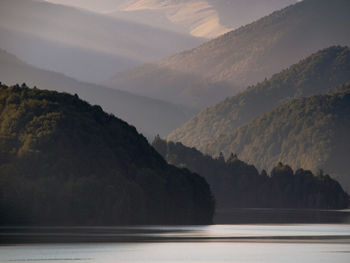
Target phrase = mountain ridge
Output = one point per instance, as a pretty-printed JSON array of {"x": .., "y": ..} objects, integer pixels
[
  {"x": 241, "y": 57},
  {"x": 75, "y": 30},
  {"x": 310, "y": 132},
  {"x": 317, "y": 73},
  {"x": 201, "y": 18},
  {"x": 150, "y": 116}
]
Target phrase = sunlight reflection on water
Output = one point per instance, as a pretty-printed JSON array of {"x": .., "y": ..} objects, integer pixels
[{"x": 218, "y": 243}]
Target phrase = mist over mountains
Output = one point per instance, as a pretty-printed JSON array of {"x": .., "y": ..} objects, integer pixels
[
  {"x": 79, "y": 43},
  {"x": 317, "y": 74},
  {"x": 150, "y": 116},
  {"x": 262, "y": 95},
  {"x": 265, "y": 125},
  {"x": 199, "y": 18},
  {"x": 228, "y": 64}
]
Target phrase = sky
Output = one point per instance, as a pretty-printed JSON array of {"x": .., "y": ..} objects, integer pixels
[{"x": 199, "y": 18}]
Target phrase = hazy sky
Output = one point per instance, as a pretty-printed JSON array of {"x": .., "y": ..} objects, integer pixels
[
  {"x": 110, "y": 5},
  {"x": 199, "y": 18}
]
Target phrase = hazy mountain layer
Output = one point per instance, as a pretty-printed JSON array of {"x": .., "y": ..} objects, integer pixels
[
  {"x": 242, "y": 57},
  {"x": 86, "y": 40},
  {"x": 150, "y": 116},
  {"x": 312, "y": 133},
  {"x": 65, "y": 162},
  {"x": 316, "y": 74}
]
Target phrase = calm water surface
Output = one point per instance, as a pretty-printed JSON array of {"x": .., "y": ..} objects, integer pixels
[{"x": 218, "y": 243}]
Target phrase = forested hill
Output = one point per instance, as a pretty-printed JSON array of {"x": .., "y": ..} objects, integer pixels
[
  {"x": 237, "y": 184},
  {"x": 224, "y": 66},
  {"x": 149, "y": 116},
  {"x": 317, "y": 74},
  {"x": 312, "y": 133},
  {"x": 65, "y": 162}
]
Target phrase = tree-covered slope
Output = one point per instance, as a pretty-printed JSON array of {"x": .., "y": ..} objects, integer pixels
[
  {"x": 311, "y": 133},
  {"x": 316, "y": 74},
  {"x": 237, "y": 184},
  {"x": 149, "y": 116},
  {"x": 63, "y": 161},
  {"x": 242, "y": 57}
]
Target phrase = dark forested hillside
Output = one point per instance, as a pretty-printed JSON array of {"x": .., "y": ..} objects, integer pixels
[
  {"x": 149, "y": 116},
  {"x": 237, "y": 184},
  {"x": 226, "y": 65},
  {"x": 63, "y": 161},
  {"x": 312, "y": 133},
  {"x": 317, "y": 74}
]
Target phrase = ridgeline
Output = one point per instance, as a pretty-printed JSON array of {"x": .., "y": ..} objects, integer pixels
[
  {"x": 319, "y": 73},
  {"x": 311, "y": 132}
]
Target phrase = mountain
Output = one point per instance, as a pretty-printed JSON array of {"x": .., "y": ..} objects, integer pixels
[
  {"x": 85, "y": 45},
  {"x": 224, "y": 66},
  {"x": 311, "y": 132},
  {"x": 317, "y": 74},
  {"x": 150, "y": 116},
  {"x": 65, "y": 162},
  {"x": 237, "y": 184},
  {"x": 200, "y": 18}
]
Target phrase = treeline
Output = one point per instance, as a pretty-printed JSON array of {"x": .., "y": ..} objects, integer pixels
[
  {"x": 65, "y": 162},
  {"x": 311, "y": 132},
  {"x": 237, "y": 184}
]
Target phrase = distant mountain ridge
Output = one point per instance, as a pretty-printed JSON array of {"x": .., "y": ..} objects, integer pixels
[
  {"x": 316, "y": 74},
  {"x": 311, "y": 132},
  {"x": 200, "y": 18},
  {"x": 228, "y": 64},
  {"x": 67, "y": 39},
  {"x": 150, "y": 116}
]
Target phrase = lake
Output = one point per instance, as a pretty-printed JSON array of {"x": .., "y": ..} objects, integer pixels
[{"x": 256, "y": 242}]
